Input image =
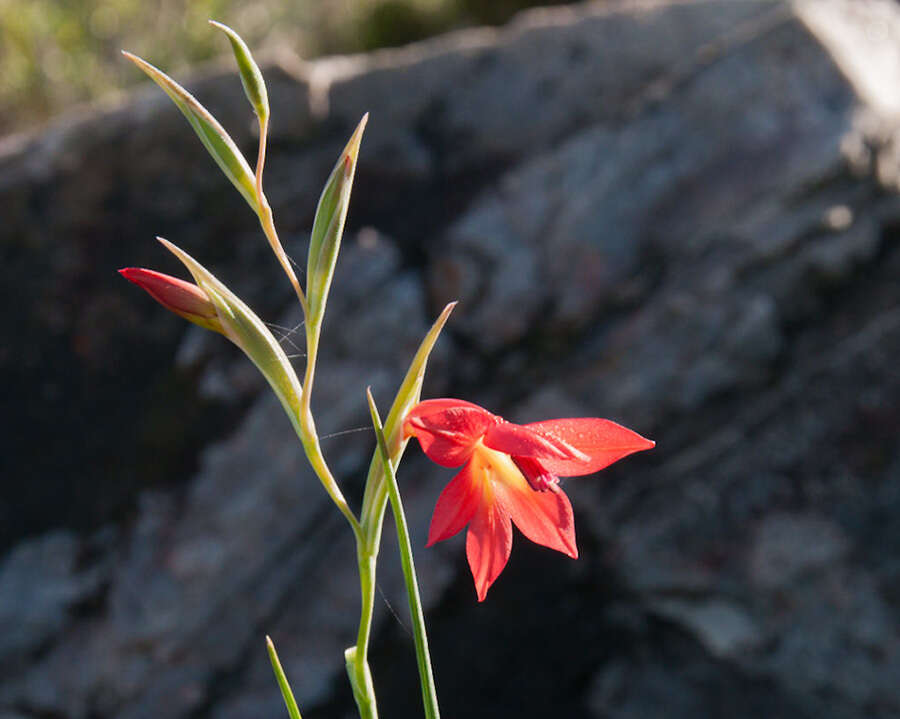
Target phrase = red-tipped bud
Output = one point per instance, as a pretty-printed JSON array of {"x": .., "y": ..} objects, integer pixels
[{"x": 182, "y": 298}]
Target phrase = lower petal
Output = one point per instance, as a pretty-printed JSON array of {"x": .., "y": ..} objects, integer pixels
[
  {"x": 544, "y": 517},
  {"x": 488, "y": 544},
  {"x": 456, "y": 506}
]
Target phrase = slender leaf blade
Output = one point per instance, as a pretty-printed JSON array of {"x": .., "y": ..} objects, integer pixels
[
  {"x": 423, "y": 656},
  {"x": 286, "y": 693}
]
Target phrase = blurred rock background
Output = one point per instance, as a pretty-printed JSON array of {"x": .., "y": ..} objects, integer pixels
[{"x": 679, "y": 215}]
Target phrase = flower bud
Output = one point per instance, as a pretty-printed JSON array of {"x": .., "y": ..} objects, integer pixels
[{"x": 183, "y": 298}]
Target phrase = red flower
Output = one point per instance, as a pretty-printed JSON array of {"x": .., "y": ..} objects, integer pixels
[{"x": 510, "y": 472}]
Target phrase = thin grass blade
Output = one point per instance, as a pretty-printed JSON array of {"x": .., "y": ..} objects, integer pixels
[
  {"x": 423, "y": 657},
  {"x": 289, "y": 701}
]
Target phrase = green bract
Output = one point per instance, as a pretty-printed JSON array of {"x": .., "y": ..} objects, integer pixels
[
  {"x": 213, "y": 136},
  {"x": 407, "y": 397},
  {"x": 328, "y": 227},
  {"x": 247, "y": 331}
]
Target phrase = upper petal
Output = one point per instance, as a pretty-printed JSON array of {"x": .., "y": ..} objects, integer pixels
[
  {"x": 448, "y": 429},
  {"x": 600, "y": 441},
  {"x": 488, "y": 544},
  {"x": 521, "y": 441},
  {"x": 456, "y": 505}
]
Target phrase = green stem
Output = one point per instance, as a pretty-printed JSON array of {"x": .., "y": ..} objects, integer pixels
[
  {"x": 357, "y": 657},
  {"x": 310, "y": 440},
  {"x": 268, "y": 226},
  {"x": 423, "y": 657},
  {"x": 264, "y": 211}
]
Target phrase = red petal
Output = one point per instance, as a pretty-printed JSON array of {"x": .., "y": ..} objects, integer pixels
[
  {"x": 600, "y": 440},
  {"x": 544, "y": 517},
  {"x": 448, "y": 429},
  {"x": 488, "y": 545},
  {"x": 456, "y": 505},
  {"x": 520, "y": 441}
]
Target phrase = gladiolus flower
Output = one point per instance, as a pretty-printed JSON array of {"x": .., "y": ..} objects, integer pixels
[
  {"x": 182, "y": 298},
  {"x": 510, "y": 475}
]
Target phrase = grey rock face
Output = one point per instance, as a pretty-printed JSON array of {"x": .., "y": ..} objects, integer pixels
[{"x": 679, "y": 215}]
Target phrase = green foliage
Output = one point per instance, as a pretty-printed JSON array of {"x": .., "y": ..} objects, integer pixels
[{"x": 56, "y": 53}]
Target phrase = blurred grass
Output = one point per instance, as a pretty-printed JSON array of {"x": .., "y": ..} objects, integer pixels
[{"x": 54, "y": 53}]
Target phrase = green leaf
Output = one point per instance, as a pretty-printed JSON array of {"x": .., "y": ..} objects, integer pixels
[
  {"x": 423, "y": 656},
  {"x": 213, "y": 136},
  {"x": 241, "y": 325},
  {"x": 328, "y": 227},
  {"x": 251, "y": 77},
  {"x": 289, "y": 701}
]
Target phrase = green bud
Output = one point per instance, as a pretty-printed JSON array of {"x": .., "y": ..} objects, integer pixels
[{"x": 251, "y": 77}]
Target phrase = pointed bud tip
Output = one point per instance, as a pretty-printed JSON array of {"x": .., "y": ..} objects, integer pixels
[{"x": 352, "y": 149}]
